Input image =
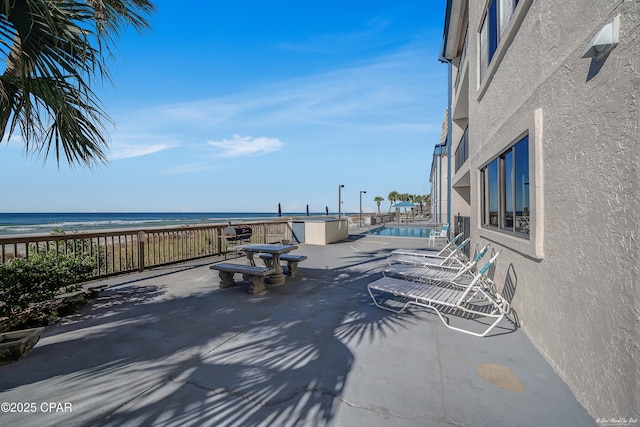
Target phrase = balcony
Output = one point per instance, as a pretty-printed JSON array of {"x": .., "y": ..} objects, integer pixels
[
  {"x": 462, "y": 152},
  {"x": 463, "y": 57},
  {"x": 460, "y": 101}
]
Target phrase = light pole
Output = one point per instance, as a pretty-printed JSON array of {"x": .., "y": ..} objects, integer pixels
[
  {"x": 361, "y": 206},
  {"x": 340, "y": 187}
]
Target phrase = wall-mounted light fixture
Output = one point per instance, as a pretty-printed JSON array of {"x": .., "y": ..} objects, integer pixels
[{"x": 605, "y": 40}]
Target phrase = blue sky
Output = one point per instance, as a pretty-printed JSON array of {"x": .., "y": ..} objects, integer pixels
[{"x": 236, "y": 106}]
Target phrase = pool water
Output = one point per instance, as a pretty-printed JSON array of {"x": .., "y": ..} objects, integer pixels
[{"x": 401, "y": 231}]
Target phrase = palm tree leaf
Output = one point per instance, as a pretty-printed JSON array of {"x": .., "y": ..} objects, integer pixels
[
  {"x": 60, "y": 119},
  {"x": 53, "y": 51}
]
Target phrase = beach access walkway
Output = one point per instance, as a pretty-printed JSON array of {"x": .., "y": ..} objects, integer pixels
[{"x": 168, "y": 347}]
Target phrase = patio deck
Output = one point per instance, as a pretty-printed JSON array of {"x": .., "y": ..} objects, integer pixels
[{"x": 167, "y": 347}]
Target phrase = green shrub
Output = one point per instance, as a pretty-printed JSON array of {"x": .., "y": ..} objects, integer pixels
[{"x": 39, "y": 278}]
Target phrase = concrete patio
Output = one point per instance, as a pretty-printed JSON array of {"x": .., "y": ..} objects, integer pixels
[{"x": 167, "y": 347}]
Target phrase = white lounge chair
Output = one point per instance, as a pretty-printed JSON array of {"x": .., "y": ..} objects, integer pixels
[
  {"x": 352, "y": 223},
  {"x": 456, "y": 258},
  {"x": 427, "y": 273},
  {"x": 443, "y": 253},
  {"x": 476, "y": 300},
  {"x": 439, "y": 234}
]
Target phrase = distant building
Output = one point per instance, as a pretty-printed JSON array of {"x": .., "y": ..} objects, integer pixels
[
  {"x": 545, "y": 166},
  {"x": 439, "y": 177}
]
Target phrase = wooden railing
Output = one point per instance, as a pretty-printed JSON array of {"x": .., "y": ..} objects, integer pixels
[{"x": 128, "y": 250}]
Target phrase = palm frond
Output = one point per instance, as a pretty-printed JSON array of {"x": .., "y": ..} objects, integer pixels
[
  {"x": 53, "y": 51},
  {"x": 59, "y": 119}
]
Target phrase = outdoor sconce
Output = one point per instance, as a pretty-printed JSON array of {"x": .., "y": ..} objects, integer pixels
[{"x": 605, "y": 40}]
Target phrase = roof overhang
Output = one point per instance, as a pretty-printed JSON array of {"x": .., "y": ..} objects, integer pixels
[{"x": 452, "y": 29}]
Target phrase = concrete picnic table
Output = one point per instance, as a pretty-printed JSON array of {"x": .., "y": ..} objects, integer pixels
[{"x": 275, "y": 250}]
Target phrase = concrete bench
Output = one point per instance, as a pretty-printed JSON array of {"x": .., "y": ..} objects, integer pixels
[
  {"x": 94, "y": 289},
  {"x": 68, "y": 302},
  {"x": 253, "y": 274},
  {"x": 74, "y": 297},
  {"x": 292, "y": 262}
]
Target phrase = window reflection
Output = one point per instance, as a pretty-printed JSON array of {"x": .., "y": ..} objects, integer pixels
[
  {"x": 522, "y": 185},
  {"x": 505, "y": 194},
  {"x": 508, "y": 190},
  {"x": 493, "y": 193}
]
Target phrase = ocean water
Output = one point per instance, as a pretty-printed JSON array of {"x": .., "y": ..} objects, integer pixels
[{"x": 28, "y": 223}]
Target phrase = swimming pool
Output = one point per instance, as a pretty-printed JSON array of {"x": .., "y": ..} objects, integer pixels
[{"x": 401, "y": 231}]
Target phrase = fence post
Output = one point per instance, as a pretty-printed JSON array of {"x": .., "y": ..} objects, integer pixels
[{"x": 141, "y": 239}]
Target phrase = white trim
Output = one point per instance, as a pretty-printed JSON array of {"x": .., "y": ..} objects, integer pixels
[
  {"x": 483, "y": 15},
  {"x": 538, "y": 173},
  {"x": 533, "y": 247}
]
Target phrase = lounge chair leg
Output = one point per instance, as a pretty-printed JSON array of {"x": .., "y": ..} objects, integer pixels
[
  {"x": 375, "y": 301},
  {"x": 442, "y": 318}
]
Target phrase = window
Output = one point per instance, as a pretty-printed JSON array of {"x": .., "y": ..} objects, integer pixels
[
  {"x": 506, "y": 11},
  {"x": 496, "y": 19},
  {"x": 492, "y": 171},
  {"x": 507, "y": 161},
  {"x": 505, "y": 190}
]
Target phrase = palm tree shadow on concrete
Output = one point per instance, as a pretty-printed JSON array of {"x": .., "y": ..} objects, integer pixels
[
  {"x": 288, "y": 368},
  {"x": 220, "y": 357}
]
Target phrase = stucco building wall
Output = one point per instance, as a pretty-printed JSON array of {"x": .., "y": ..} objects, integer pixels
[{"x": 575, "y": 280}]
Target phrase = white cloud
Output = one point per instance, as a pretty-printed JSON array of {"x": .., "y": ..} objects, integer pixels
[
  {"x": 334, "y": 43},
  {"x": 246, "y": 146},
  {"x": 387, "y": 98},
  {"x": 393, "y": 89},
  {"x": 206, "y": 112},
  {"x": 188, "y": 168},
  {"x": 126, "y": 151}
]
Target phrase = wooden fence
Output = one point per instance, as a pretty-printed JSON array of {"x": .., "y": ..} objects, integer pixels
[{"x": 128, "y": 250}]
